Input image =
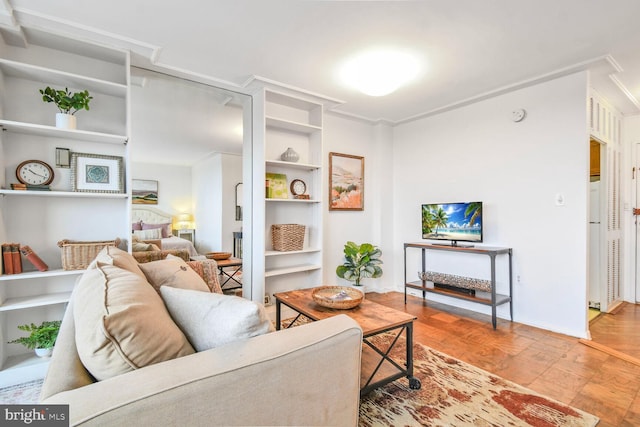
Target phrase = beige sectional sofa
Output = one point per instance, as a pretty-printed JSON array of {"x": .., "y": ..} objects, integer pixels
[{"x": 307, "y": 375}]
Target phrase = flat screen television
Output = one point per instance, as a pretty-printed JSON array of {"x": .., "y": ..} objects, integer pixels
[{"x": 453, "y": 222}]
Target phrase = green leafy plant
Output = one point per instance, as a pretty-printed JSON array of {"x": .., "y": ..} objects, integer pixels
[
  {"x": 361, "y": 261},
  {"x": 66, "y": 101},
  {"x": 43, "y": 336}
]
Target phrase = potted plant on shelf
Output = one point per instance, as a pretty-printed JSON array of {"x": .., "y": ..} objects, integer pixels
[
  {"x": 361, "y": 261},
  {"x": 68, "y": 103},
  {"x": 41, "y": 338}
]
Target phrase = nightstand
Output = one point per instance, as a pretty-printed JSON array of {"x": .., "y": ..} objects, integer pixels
[{"x": 187, "y": 234}]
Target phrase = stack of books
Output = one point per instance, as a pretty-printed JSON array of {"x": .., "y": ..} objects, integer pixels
[
  {"x": 11, "y": 262},
  {"x": 30, "y": 187}
]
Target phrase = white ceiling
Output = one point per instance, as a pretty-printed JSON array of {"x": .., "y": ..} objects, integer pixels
[{"x": 470, "y": 48}]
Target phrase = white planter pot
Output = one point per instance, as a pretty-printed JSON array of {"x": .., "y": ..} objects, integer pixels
[
  {"x": 65, "y": 121},
  {"x": 44, "y": 352}
]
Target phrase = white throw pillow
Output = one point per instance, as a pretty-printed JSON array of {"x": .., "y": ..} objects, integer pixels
[{"x": 210, "y": 320}]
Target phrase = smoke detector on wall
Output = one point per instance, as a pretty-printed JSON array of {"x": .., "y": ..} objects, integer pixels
[{"x": 518, "y": 115}]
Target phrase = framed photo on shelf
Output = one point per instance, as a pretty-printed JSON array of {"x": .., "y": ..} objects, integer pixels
[
  {"x": 144, "y": 192},
  {"x": 346, "y": 182},
  {"x": 95, "y": 173}
]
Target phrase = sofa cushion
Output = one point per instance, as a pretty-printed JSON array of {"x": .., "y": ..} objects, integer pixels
[
  {"x": 173, "y": 272},
  {"x": 211, "y": 320},
  {"x": 122, "y": 259},
  {"x": 122, "y": 323}
]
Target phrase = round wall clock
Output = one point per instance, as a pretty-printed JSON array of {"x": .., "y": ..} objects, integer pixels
[
  {"x": 34, "y": 172},
  {"x": 298, "y": 187}
]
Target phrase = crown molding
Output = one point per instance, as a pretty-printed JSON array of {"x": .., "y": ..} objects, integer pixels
[
  {"x": 627, "y": 93},
  {"x": 600, "y": 63},
  {"x": 256, "y": 82},
  {"x": 29, "y": 18}
]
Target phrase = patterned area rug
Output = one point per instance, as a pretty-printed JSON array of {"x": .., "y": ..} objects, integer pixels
[
  {"x": 25, "y": 393},
  {"x": 454, "y": 393}
]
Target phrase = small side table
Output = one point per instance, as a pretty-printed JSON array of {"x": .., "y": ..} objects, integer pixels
[
  {"x": 187, "y": 234},
  {"x": 231, "y": 279}
]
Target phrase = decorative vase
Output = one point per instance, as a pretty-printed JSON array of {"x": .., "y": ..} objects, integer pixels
[
  {"x": 290, "y": 156},
  {"x": 44, "y": 352},
  {"x": 65, "y": 121}
]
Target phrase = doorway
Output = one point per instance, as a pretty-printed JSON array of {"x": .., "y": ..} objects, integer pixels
[
  {"x": 605, "y": 264},
  {"x": 595, "y": 229}
]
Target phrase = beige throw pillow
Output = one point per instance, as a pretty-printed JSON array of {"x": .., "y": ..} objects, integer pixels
[
  {"x": 211, "y": 320},
  {"x": 123, "y": 259},
  {"x": 173, "y": 272},
  {"x": 121, "y": 323}
]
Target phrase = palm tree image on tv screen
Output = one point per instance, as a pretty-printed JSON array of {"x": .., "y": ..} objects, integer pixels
[{"x": 452, "y": 221}]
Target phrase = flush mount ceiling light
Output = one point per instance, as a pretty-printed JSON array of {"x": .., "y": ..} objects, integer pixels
[{"x": 379, "y": 72}]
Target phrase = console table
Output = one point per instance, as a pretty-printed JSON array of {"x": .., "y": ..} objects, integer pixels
[{"x": 492, "y": 298}]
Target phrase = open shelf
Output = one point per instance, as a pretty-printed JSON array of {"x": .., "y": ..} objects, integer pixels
[
  {"x": 23, "y": 368},
  {"x": 73, "y": 194},
  {"x": 275, "y": 123},
  {"x": 55, "y": 77},
  {"x": 40, "y": 274},
  {"x": 303, "y": 251},
  {"x": 54, "y": 132},
  {"x": 292, "y": 200},
  {"x": 480, "y": 297},
  {"x": 35, "y": 301},
  {"x": 291, "y": 269},
  {"x": 292, "y": 165}
]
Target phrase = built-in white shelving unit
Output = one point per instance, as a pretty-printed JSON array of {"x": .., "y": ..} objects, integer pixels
[
  {"x": 42, "y": 218},
  {"x": 290, "y": 121}
]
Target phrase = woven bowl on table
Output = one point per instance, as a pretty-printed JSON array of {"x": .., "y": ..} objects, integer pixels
[
  {"x": 339, "y": 297},
  {"x": 218, "y": 256}
]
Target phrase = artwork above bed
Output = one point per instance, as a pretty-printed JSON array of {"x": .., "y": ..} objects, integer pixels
[{"x": 148, "y": 223}]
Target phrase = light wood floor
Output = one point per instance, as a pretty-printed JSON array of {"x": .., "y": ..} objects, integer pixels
[
  {"x": 620, "y": 330},
  {"x": 555, "y": 365}
]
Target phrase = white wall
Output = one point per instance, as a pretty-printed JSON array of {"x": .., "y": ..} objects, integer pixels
[
  {"x": 214, "y": 181},
  {"x": 350, "y": 136},
  {"x": 516, "y": 169}
]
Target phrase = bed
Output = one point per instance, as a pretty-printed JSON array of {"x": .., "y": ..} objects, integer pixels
[{"x": 146, "y": 219}]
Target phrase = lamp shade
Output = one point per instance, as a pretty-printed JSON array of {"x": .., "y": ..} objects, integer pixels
[{"x": 184, "y": 221}]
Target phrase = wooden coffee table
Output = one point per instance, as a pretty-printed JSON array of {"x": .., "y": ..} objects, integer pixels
[{"x": 378, "y": 368}]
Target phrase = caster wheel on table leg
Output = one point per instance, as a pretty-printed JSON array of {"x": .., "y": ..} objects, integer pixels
[{"x": 414, "y": 383}]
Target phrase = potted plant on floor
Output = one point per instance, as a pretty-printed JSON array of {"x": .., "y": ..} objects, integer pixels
[
  {"x": 68, "y": 103},
  {"x": 361, "y": 261},
  {"x": 41, "y": 338}
]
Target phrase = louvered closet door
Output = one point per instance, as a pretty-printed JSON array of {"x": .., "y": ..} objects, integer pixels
[{"x": 613, "y": 293}]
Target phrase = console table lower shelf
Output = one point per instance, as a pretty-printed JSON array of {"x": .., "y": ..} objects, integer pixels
[
  {"x": 480, "y": 297},
  {"x": 378, "y": 366}
]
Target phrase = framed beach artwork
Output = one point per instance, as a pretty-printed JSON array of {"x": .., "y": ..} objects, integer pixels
[
  {"x": 346, "y": 182},
  {"x": 144, "y": 192}
]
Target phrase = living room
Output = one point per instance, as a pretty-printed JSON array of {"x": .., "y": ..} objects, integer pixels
[{"x": 466, "y": 149}]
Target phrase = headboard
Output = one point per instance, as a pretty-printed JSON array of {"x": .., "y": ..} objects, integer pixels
[{"x": 150, "y": 215}]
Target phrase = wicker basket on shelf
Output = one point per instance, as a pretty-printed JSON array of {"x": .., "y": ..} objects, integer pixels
[
  {"x": 287, "y": 237},
  {"x": 77, "y": 255}
]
